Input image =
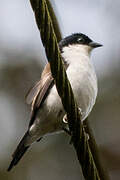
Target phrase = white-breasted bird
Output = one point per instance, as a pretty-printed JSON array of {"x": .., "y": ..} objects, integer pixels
[{"x": 47, "y": 113}]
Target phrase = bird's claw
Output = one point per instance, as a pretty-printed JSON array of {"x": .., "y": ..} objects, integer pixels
[{"x": 65, "y": 119}]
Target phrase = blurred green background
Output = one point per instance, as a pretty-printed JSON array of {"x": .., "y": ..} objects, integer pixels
[{"x": 22, "y": 58}]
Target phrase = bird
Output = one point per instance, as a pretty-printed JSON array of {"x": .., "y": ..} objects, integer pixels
[{"x": 47, "y": 112}]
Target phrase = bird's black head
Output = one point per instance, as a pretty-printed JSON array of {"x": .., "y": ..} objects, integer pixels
[{"x": 78, "y": 38}]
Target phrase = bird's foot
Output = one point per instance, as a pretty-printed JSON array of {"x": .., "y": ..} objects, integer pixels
[
  {"x": 65, "y": 120},
  {"x": 80, "y": 111}
]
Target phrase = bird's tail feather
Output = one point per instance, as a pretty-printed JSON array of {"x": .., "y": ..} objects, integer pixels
[{"x": 19, "y": 152}]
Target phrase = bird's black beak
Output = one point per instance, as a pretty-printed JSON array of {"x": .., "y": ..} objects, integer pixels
[{"x": 94, "y": 44}]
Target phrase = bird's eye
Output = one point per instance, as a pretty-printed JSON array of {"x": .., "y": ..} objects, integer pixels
[{"x": 80, "y": 40}]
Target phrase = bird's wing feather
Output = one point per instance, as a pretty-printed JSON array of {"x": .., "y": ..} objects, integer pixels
[
  {"x": 40, "y": 98},
  {"x": 39, "y": 92},
  {"x": 19, "y": 152},
  {"x": 40, "y": 88},
  {"x": 33, "y": 92},
  {"x": 44, "y": 90}
]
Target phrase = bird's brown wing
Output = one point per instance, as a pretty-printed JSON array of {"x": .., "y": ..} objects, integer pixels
[
  {"x": 39, "y": 92},
  {"x": 33, "y": 92}
]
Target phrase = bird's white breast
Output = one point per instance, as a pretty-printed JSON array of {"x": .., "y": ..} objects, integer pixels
[{"x": 82, "y": 78}]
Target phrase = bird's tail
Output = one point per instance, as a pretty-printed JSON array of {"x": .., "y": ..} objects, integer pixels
[{"x": 19, "y": 152}]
